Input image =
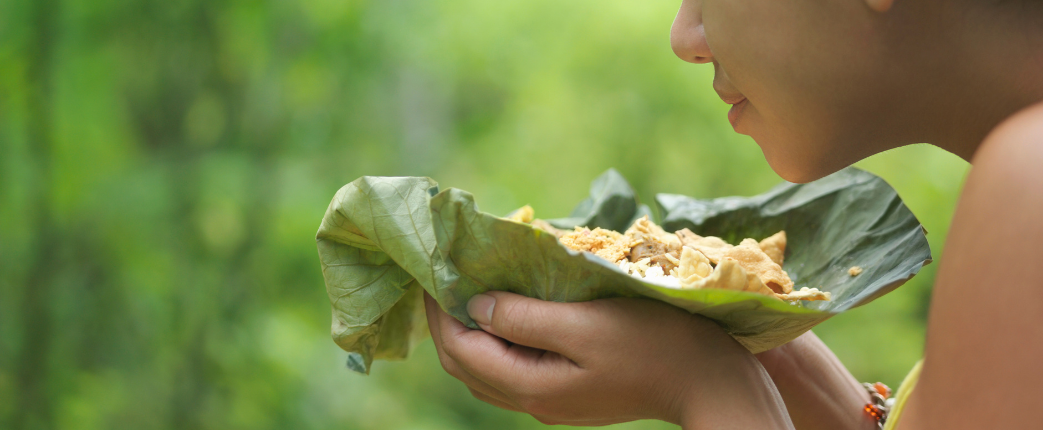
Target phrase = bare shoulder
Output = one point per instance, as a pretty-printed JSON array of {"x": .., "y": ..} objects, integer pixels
[
  {"x": 1001, "y": 206},
  {"x": 985, "y": 332},
  {"x": 1003, "y": 193},
  {"x": 1016, "y": 141},
  {"x": 1004, "y": 190}
]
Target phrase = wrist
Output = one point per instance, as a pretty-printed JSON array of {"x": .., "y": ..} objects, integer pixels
[
  {"x": 818, "y": 390},
  {"x": 780, "y": 359},
  {"x": 740, "y": 395}
]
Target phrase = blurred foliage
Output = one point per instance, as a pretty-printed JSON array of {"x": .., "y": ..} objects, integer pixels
[{"x": 164, "y": 167}]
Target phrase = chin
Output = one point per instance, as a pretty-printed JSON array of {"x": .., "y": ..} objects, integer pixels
[
  {"x": 796, "y": 166},
  {"x": 796, "y": 173}
]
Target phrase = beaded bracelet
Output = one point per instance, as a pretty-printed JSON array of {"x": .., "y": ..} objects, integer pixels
[{"x": 881, "y": 402}]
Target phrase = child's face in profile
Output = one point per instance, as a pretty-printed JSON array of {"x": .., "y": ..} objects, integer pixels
[{"x": 819, "y": 79}]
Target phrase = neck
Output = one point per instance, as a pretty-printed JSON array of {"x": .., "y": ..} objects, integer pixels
[{"x": 993, "y": 69}]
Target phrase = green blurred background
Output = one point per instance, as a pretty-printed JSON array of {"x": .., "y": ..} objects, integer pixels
[{"x": 164, "y": 166}]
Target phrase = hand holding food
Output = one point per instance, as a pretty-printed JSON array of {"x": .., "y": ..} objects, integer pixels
[
  {"x": 605, "y": 361},
  {"x": 384, "y": 242}
]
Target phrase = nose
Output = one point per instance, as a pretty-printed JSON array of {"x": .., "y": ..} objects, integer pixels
[{"x": 687, "y": 37}]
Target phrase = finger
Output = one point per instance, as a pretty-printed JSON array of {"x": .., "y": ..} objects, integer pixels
[
  {"x": 508, "y": 368},
  {"x": 532, "y": 322},
  {"x": 494, "y": 401},
  {"x": 436, "y": 318},
  {"x": 473, "y": 383}
]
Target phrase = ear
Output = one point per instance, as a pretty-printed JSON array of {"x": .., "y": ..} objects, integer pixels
[{"x": 880, "y": 5}]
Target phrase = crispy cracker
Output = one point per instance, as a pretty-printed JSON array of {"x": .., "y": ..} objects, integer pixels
[
  {"x": 712, "y": 247},
  {"x": 727, "y": 276},
  {"x": 755, "y": 284},
  {"x": 693, "y": 265},
  {"x": 806, "y": 294},
  {"x": 524, "y": 215},
  {"x": 775, "y": 247},
  {"x": 753, "y": 259}
]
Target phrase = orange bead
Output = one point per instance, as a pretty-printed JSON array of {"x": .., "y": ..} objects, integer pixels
[
  {"x": 884, "y": 390},
  {"x": 874, "y": 411}
]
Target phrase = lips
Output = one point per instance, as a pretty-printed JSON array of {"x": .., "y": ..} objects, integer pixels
[
  {"x": 736, "y": 111},
  {"x": 727, "y": 92},
  {"x": 732, "y": 97}
]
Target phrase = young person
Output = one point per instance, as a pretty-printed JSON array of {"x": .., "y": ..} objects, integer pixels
[{"x": 820, "y": 85}]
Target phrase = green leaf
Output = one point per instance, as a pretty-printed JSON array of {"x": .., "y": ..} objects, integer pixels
[
  {"x": 383, "y": 239},
  {"x": 612, "y": 205}
]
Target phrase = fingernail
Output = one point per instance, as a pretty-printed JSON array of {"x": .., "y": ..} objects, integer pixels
[{"x": 480, "y": 307}]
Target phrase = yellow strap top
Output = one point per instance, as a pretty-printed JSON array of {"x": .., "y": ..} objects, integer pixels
[{"x": 904, "y": 391}]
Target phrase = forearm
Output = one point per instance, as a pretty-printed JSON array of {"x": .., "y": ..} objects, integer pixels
[{"x": 818, "y": 390}]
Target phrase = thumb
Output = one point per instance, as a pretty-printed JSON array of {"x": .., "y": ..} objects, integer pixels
[{"x": 530, "y": 322}]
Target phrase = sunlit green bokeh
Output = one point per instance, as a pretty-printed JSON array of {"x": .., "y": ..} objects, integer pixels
[{"x": 164, "y": 167}]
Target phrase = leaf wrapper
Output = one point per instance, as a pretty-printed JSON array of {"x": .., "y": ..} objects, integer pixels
[{"x": 385, "y": 240}]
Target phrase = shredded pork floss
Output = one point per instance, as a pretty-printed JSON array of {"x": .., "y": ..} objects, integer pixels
[{"x": 606, "y": 244}]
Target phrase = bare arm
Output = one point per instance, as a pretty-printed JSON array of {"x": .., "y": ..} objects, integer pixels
[
  {"x": 818, "y": 390},
  {"x": 985, "y": 332}
]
